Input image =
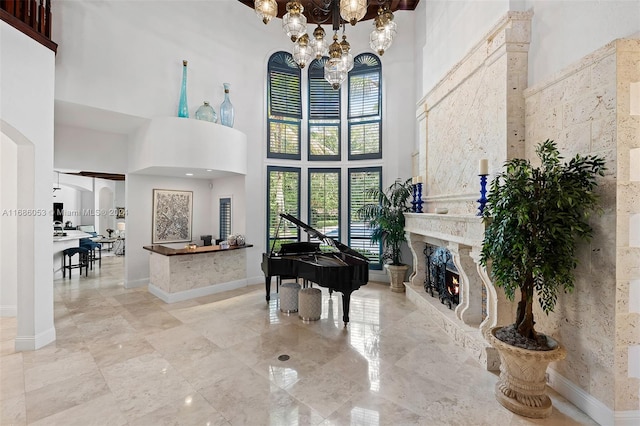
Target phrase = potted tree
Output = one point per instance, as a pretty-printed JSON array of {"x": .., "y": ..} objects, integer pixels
[
  {"x": 386, "y": 218},
  {"x": 534, "y": 218}
]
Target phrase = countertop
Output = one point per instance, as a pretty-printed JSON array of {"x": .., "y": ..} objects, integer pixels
[
  {"x": 168, "y": 251},
  {"x": 72, "y": 235}
]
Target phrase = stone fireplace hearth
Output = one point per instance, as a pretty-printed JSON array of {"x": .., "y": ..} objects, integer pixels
[{"x": 462, "y": 235}]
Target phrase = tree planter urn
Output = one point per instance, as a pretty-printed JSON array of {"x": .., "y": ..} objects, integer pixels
[
  {"x": 396, "y": 273},
  {"x": 522, "y": 386}
]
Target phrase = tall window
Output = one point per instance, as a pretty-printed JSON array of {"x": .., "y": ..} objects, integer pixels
[
  {"x": 225, "y": 218},
  {"x": 324, "y": 115},
  {"x": 353, "y": 114},
  {"x": 324, "y": 201},
  {"x": 283, "y": 197},
  {"x": 284, "y": 107},
  {"x": 361, "y": 179},
  {"x": 365, "y": 109}
]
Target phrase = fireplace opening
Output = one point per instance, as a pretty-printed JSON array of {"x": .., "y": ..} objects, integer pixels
[{"x": 442, "y": 276}]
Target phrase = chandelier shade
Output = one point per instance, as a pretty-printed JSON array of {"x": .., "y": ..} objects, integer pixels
[
  {"x": 302, "y": 51},
  {"x": 294, "y": 23},
  {"x": 266, "y": 10},
  {"x": 353, "y": 10}
]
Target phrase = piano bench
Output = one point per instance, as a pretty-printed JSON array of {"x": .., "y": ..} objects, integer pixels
[
  {"x": 310, "y": 304},
  {"x": 289, "y": 297}
]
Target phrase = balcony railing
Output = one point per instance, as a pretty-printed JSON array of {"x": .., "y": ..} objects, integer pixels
[{"x": 32, "y": 17}]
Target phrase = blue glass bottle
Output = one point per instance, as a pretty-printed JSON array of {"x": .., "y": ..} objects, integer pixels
[
  {"x": 226, "y": 109},
  {"x": 183, "y": 109}
]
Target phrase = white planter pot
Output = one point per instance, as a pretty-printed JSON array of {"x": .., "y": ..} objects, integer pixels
[
  {"x": 522, "y": 387},
  {"x": 397, "y": 273}
]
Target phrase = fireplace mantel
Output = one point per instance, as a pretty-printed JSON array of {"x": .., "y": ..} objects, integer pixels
[{"x": 462, "y": 235}]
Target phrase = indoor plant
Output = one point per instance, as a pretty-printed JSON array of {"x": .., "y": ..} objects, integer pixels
[
  {"x": 534, "y": 219},
  {"x": 386, "y": 218}
]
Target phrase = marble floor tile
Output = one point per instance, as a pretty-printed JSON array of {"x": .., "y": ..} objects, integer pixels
[
  {"x": 98, "y": 411},
  {"x": 13, "y": 411},
  {"x": 124, "y": 357},
  {"x": 64, "y": 394}
]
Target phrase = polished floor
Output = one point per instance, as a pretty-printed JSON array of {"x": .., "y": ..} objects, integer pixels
[{"x": 123, "y": 357}]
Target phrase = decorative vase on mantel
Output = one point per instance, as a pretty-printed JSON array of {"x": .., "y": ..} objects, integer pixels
[
  {"x": 206, "y": 113},
  {"x": 226, "y": 108},
  {"x": 183, "y": 108}
]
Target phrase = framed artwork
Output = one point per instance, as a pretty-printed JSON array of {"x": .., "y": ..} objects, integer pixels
[
  {"x": 120, "y": 212},
  {"x": 172, "y": 216}
]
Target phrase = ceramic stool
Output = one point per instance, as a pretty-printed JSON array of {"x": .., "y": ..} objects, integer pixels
[
  {"x": 310, "y": 304},
  {"x": 289, "y": 297}
]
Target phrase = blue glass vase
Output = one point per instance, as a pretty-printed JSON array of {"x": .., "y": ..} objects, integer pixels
[
  {"x": 226, "y": 109},
  {"x": 183, "y": 108}
]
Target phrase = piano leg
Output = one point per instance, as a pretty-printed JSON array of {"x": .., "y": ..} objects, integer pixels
[
  {"x": 267, "y": 286},
  {"x": 346, "y": 297}
]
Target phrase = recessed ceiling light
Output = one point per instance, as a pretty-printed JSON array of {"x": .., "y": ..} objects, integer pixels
[
  {"x": 189, "y": 174},
  {"x": 209, "y": 170}
]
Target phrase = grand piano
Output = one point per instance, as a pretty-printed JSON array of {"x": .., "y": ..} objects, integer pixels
[{"x": 343, "y": 270}]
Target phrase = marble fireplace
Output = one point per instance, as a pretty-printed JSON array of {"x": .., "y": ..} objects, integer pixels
[{"x": 462, "y": 235}]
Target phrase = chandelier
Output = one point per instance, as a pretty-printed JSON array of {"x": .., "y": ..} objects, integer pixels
[{"x": 299, "y": 16}]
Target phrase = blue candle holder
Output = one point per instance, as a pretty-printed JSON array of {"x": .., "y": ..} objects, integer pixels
[
  {"x": 483, "y": 194},
  {"x": 413, "y": 202},
  {"x": 419, "y": 198}
]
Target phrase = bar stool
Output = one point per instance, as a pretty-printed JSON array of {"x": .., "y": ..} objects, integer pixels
[
  {"x": 92, "y": 246},
  {"x": 289, "y": 297},
  {"x": 310, "y": 304},
  {"x": 83, "y": 260}
]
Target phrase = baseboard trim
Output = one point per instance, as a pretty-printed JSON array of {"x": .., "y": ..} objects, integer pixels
[
  {"x": 32, "y": 343},
  {"x": 593, "y": 407},
  {"x": 195, "y": 292},
  {"x": 136, "y": 283},
  {"x": 8, "y": 310}
]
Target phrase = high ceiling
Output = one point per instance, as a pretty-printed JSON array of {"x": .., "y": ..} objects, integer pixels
[{"x": 318, "y": 11}]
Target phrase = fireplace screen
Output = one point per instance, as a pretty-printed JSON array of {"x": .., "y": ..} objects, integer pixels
[{"x": 441, "y": 275}]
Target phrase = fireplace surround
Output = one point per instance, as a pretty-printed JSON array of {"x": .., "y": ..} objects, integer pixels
[{"x": 467, "y": 324}]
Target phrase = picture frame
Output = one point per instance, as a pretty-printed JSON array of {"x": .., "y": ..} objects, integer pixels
[
  {"x": 120, "y": 212},
  {"x": 172, "y": 216}
]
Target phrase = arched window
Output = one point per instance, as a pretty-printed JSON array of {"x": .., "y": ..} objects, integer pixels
[
  {"x": 324, "y": 115},
  {"x": 284, "y": 107},
  {"x": 365, "y": 108}
]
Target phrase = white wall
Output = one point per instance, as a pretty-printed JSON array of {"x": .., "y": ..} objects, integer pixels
[
  {"x": 81, "y": 149},
  {"x": 8, "y": 227},
  {"x": 565, "y": 31},
  {"x": 26, "y": 117},
  {"x": 451, "y": 29},
  {"x": 139, "y": 189}
]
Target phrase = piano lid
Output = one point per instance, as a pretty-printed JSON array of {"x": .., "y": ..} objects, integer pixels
[{"x": 314, "y": 233}]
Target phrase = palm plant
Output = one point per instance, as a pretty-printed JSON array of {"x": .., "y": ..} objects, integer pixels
[
  {"x": 386, "y": 217},
  {"x": 535, "y": 216}
]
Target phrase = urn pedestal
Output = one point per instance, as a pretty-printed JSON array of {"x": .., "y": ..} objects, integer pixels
[
  {"x": 522, "y": 385},
  {"x": 396, "y": 273}
]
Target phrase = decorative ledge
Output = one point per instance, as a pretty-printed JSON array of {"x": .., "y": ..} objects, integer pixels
[{"x": 166, "y": 144}]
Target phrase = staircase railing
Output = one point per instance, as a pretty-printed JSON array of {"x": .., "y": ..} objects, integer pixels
[{"x": 32, "y": 17}]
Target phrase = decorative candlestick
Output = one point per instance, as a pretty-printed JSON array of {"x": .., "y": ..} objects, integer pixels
[
  {"x": 483, "y": 194},
  {"x": 419, "y": 197},
  {"x": 414, "y": 192}
]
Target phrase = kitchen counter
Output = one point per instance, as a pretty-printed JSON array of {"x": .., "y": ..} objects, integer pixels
[
  {"x": 181, "y": 273},
  {"x": 169, "y": 251}
]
